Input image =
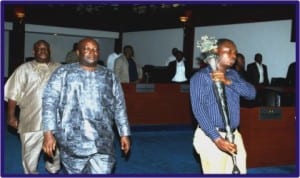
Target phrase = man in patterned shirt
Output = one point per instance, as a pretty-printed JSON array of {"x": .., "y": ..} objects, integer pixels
[
  {"x": 81, "y": 103},
  {"x": 214, "y": 150}
]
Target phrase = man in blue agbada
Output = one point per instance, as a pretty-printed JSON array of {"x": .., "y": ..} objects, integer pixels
[{"x": 81, "y": 104}]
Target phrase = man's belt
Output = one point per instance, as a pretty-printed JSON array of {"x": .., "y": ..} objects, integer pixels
[{"x": 224, "y": 130}]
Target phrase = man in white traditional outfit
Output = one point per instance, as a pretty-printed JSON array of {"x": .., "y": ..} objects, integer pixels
[
  {"x": 24, "y": 88},
  {"x": 81, "y": 103}
]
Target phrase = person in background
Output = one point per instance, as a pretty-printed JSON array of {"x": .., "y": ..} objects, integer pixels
[
  {"x": 82, "y": 103},
  {"x": 291, "y": 74},
  {"x": 179, "y": 70},
  {"x": 126, "y": 68},
  {"x": 239, "y": 65},
  {"x": 24, "y": 88},
  {"x": 257, "y": 73},
  {"x": 172, "y": 57},
  {"x": 112, "y": 57},
  {"x": 209, "y": 138},
  {"x": 71, "y": 55}
]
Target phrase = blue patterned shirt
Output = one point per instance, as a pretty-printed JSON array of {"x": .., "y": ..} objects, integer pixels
[
  {"x": 81, "y": 107},
  {"x": 204, "y": 103}
]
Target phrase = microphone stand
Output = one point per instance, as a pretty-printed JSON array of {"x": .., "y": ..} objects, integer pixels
[{"x": 219, "y": 92}]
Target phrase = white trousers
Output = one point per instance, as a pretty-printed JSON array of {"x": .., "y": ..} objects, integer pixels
[
  {"x": 32, "y": 143},
  {"x": 215, "y": 161}
]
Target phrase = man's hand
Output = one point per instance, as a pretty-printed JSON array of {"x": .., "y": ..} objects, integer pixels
[
  {"x": 220, "y": 76},
  {"x": 226, "y": 146},
  {"x": 49, "y": 143},
  {"x": 13, "y": 122},
  {"x": 125, "y": 144}
]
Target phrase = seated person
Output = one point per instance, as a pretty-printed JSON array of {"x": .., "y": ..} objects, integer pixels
[{"x": 179, "y": 70}]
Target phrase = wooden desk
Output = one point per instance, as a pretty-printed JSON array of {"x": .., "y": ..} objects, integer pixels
[
  {"x": 269, "y": 142},
  {"x": 166, "y": 105}
]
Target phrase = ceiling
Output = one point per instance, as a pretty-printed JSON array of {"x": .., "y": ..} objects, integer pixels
[{"x": 125, "y": 17}]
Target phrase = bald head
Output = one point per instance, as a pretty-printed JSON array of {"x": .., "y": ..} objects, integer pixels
[{"x": 88, "y": 52}]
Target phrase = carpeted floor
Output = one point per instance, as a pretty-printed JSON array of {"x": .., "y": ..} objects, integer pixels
[{"x": 155, "y": 152}]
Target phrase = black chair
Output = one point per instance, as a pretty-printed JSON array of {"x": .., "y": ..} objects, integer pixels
[
  {"x": 279, "y": 82},
  {"x": 274, "y": 98},
  {"x": 270, "y": 98},
  {"x": 155, "y": 74}
]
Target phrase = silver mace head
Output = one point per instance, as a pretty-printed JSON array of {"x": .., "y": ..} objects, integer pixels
[{"x": 212, "y": 60}]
